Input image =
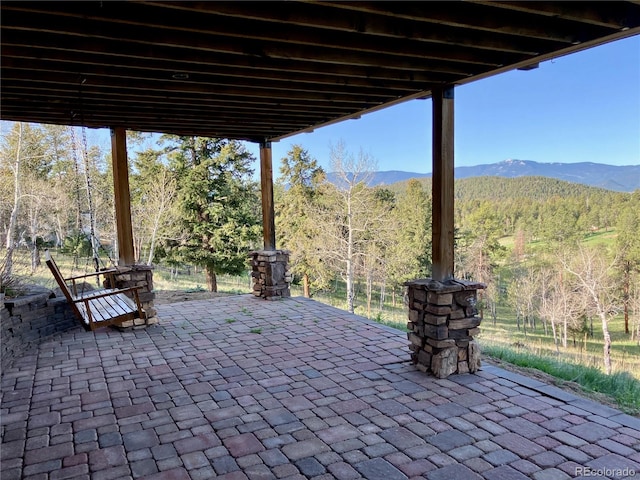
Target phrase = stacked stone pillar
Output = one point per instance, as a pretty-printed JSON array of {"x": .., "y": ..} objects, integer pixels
[
  {"x": 271, "y": 277},
  {"x": 442, "y": 323},
  {"x": 134, "y": 276}
]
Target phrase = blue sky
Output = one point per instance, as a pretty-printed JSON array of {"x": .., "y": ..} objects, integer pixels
[{"x": 583, "y": 107}]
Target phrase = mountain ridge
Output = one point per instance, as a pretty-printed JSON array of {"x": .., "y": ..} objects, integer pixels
[{"x": 624, "y": 178}]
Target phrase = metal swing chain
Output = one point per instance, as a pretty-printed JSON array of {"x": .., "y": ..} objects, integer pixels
[
  {"x": 92, "y": 218},
  {"x": 85, "y": 156}
]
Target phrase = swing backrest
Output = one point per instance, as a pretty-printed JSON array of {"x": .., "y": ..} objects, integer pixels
[{"x": 58, "y": 276}]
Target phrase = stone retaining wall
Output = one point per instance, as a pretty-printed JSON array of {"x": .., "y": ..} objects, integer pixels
[
  {"x": 29, "y": 319},
  {"x": 442, "y": 324}
]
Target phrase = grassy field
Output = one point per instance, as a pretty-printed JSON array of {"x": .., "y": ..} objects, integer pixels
[
  {"x": 601, "y": 237},
  {"x": 588, "y": 351}
]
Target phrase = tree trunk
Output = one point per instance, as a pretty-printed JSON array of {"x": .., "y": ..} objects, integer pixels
[
  {"x": 212, "y": 280},
  {"x": 137, "y": 247},
  {"x": 35, "y": 258},
  {"x": 349, "y": 281},
  {"x": 350, "y": 295},
  {"x": 369, "y": 294},
  {"x": 494, "y": 312},
  {"x": 625, "y": 295},
  {"x": 305, "y": 286},
  {"x": 59, "y": 230},
  {"x": 13, "y": 219},
  {"x": 606, "y": 354},
  {"x": 555, "y": 335},
  {"x": 152, "y": 247}
]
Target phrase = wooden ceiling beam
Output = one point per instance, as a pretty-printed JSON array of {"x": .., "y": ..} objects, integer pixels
[
  {"x": 208, "y": 81},
  {"x": 167, "y": 68},
  {"x": 176, "y": 126},
  {"x": 603, "y": 14},
  {"x": 242, "y": 29},
  {"x": 213, "y": 44},
  {"x": 169, "y": 115},
  {"x": 487, "y": 17},
  {"x": 145, "y": 87},
  {"x": 49, "y": 43},
  {"x": 324, "y": 28},
  {"x": 47, "y": 93},
  {"x": 41, "y": 97},
  {"x": 372, "y": 25}
]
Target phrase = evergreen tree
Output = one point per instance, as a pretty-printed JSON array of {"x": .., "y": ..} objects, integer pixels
[
  {"x": 297, "y": 191},
  {"x": 409, "y": 256},
  {"x": 628, "y": 246},
  {"x": 218, "y": 204}
]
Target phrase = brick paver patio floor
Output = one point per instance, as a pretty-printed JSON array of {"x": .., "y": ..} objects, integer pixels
[{"x": 238, "y": 388}]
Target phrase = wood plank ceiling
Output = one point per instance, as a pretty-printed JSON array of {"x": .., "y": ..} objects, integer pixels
[{"x": 261, "y": 71}]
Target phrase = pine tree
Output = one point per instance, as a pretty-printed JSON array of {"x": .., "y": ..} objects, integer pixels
[
  {"x": 218, "y": 203},
  {"x": 298, "y": 189},
  {"x": 409, "y": 256},
  {"x": 628, "y": 246}
]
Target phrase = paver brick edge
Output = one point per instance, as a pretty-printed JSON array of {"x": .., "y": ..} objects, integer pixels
[{"x": 566, "y": 397}]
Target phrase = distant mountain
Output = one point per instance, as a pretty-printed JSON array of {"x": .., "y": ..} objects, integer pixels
[{"x": 611, "y": 177}]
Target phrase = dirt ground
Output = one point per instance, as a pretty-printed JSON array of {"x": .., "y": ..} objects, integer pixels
[{"x": 164, "y": 297}]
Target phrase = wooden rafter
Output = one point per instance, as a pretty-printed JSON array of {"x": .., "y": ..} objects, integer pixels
[{"x": 249, "y": 70}]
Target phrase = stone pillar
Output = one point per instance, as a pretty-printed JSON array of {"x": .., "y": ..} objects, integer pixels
[
  {"x": 442, "y": 323},
  {"x": 133, "y": 276},
  {"x": 271, "y": 277}
]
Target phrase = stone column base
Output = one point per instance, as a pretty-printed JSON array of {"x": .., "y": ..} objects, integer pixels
[
  {"x": 271, "y": 277},
  {"x": 442, "y": 324},
  {"x": 134, "y": 276}
]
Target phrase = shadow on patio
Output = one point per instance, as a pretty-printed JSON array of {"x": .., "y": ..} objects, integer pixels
[{"x": 237, "y": 387}]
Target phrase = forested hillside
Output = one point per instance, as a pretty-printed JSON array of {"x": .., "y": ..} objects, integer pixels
[{"x": 501, "y": 188}]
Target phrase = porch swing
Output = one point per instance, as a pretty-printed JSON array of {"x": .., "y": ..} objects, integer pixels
[{"x": 102, "y": 307}]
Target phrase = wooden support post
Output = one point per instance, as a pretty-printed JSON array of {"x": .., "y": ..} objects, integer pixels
[
  {"x": 443, "y": 198},
  {"x": 122, "y": 196},
  {"x": 268, "y": 212}
]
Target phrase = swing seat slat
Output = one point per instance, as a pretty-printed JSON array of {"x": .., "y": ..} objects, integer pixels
[{"x": 98, "y": 308}]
